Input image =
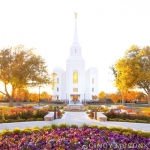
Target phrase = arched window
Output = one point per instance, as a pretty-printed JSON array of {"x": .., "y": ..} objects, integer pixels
[{"x": 75, "y": 77}]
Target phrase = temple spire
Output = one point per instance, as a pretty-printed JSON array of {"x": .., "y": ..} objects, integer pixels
[
  {"x": 75, "y": 30},
  {"x": 75, "y": 15}
]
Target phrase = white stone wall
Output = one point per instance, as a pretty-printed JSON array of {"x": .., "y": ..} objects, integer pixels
[
  {"x": 75, "y": 65},
  {"x": 91, "y": 73},
  {"x": 61, "y": 76}
]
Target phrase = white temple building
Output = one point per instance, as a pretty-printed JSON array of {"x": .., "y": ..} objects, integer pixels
[{"x": 75, "y": 82}]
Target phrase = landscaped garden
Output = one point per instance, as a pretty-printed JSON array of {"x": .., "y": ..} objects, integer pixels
[
  {"x": 122, "y": 114},
  {"x": 26, "y": 113},
  {"x": 65, "y": 137},
  {"x": 127, "y": 117}
]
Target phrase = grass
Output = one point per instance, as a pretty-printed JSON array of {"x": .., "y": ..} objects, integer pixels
[
  {"x": 5, "y": 108},
  {"x": 145, "y": 109}
]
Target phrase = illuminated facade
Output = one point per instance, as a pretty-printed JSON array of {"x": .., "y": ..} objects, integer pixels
[{"x": 75, "y": 81}]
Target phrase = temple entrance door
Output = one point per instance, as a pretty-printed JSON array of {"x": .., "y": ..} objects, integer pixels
[{"x": 75, "y": 98}]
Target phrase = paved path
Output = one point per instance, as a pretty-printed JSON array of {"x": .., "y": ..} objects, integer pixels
[{"x": 77, "y": 118}]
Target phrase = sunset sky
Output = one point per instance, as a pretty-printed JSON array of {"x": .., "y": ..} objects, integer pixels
[{"x": 106, "y": 29}]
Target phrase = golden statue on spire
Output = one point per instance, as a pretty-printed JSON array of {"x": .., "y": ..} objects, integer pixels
[{"x": 75, "y": 15}]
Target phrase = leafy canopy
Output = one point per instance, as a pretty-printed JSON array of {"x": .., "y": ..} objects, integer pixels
[{"x": 20, "y": 67}]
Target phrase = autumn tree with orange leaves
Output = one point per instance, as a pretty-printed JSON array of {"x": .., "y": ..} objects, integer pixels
[
  {"x": 133, "y": 70},
  {"x": 102, "y": 95},
  {"x": 115, "y": 97},
  {"x": 20, "y": 68}
]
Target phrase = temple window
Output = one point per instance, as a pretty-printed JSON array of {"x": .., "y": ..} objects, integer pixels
[
  {"x": 75, "y": 89},
  {"x": 75, "y": 77},
  {"x": 92, "y": 80}
]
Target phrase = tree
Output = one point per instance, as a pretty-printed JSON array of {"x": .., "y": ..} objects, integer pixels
[
  {"x": 34, "y": 97},
  {"x": 133, "y": 70},
  {"x": 44, "y": 95},
  {"x": 114, "y": 97},
  {"x": 102, "y": 95},
  {"x": 21, "y": 95},
  {"x": 20, "y": 67},
  {"x": 1, "y": 97}
]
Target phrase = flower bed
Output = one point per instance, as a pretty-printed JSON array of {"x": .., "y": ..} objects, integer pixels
[
  {"x": 112, "y": 116},
  {"x": 24, "y": 114},
  {"x": 66, "y": 137}
]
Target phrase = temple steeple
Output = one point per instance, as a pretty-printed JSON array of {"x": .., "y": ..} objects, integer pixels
[
  {"x": 75, "y": 49},
  {"x": 75, "y": 30}
]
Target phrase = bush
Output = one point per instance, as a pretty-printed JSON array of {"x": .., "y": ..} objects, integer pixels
[
  {"x": 84, "y": 125},
  {"x": 6, "y": 132},
  {"x": 118, "y": 129},
  {"x": 121, "y": 120},
  {"x": 16, "y": 131},
  {"x": 36, "y": 127},
  {"x": 54, "y": 126},
  {"x": 63, "y": 125},
  {"x": 143, "y": 134},
  {"x": 39, "y": 119},
  {"x": 21, "y": 120},
  {"x": 2, "y": 121},
  {"x": 36, "y": 130},
  {"x": 47, "y": 128},
  {"x": 127, "y": 117},
  {"x": 9, "y": 120},
  {"x": 31, "y": 119},
  {"x": 40, "y": 113},
  {"x": 25, "y": 131},
  {"x": 94, "y": 126},
  {"x": 103, "y": 128},
  {"x": 74, "y": 126}
]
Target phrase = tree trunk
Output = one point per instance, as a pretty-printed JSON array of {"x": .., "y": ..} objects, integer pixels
[
  {"x": 123, "y": 100},
  {"x": 148, "y": 99},
  {"x": 10, "y": 102}
]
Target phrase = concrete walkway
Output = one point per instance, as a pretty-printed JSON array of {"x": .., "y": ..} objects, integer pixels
[{"x": 77, "y": 118}]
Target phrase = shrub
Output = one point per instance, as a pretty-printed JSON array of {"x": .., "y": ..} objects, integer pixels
[
  {"x": 84, "y": 125},
  {"x": 54, "y": 126},
  {"x": 40, "y": 113},
  {"x": 36, "y": 130},
  {"x": 25, "y": 131},
  {"x": 118, "y": 129},
  {"x": 94, "y": 126},
  {"x": 103, "y": 128},
  {"x": 111, "y": 119},
  {"x": 121, "y": 120},
  {"x": 74, "y": 126},
  {"x": 21, "y": 120},
  {"x": 144, "y": 134},
  {"x": 91, "y": 114},
  {"x": 128, "y": 117},
  {"x": 6, "y": 132},
  {"x": 59, "y": 114},
  {"x": 27, "y": 128},
  {"x": 16, "y": 131},
  {"x": 31, "y": 119},
  {"x": 47, "y": 128},
  {"x": 2, "y": 121},
  {"x": 63, "y": 125},
  {"x": 9, "y": 120},
  {"x": 39, "y": 119},
  {"x": 36, "y": 127}
]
